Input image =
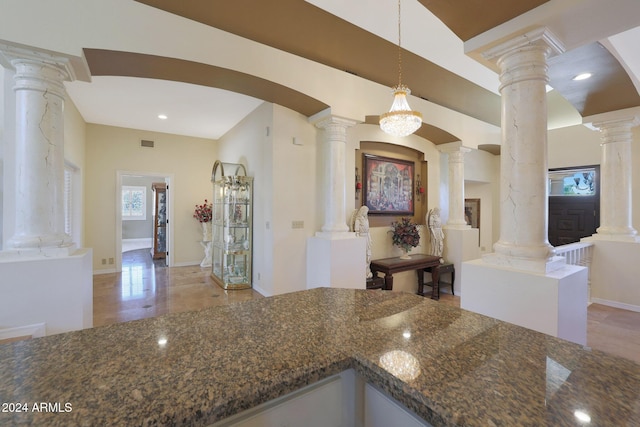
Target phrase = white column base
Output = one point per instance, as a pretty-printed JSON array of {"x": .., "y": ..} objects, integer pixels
[
  {"x": 553, "y": 303},
  {"x": 336, "y": 262},
  {"x": 535, "y": 266},
  {"x": 56, "y": 291},
  {"x": 28, "y": 254},
  {"x": 460, "y": 245}
]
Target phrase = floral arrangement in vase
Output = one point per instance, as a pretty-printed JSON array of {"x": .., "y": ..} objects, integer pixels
[
  {"x": 203, "y": 212},
  {"x": 405, "y": 235}
]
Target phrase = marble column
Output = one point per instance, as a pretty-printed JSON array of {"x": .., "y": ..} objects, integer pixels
[
  {"x": 39, "y": 148},
  {"x": 615, "y": 179},
  {"x": 336, "y": 257},
  {"x": 334, "y": 173},
  {"x": 522, "y": 62},
  {"x": 456, "y": 184},
  {"x": 523, "y": 278}
]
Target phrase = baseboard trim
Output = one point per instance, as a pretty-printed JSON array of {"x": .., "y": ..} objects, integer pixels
[
  {"x": 261, "y": 291},
  {"x": 148, "y": 240},
  {"x": 34, "y": 331},
  {"x": 616, "y": 304},
  {"x": 104, "y": 271},
  {"x": 187, "y": 263}
]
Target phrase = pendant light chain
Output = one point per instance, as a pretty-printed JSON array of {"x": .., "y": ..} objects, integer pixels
[
  {"x": 399, "y": 47},
  {"x": 401, "y": 120}
]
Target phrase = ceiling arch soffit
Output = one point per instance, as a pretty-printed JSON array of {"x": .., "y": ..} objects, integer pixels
[
  {"x": 128, "y": 64},
  {"x": 305, "y": 30}
]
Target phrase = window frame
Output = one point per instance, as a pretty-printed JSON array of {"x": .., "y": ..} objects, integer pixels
[{"x": 130, "y": 189}]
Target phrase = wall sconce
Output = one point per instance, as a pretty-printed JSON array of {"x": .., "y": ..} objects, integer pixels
[
  {"x": 358, "y": 184},
  {"x": 419, "y": 189}
]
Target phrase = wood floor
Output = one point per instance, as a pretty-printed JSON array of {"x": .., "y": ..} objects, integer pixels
[{"x": 146, "y": 289}]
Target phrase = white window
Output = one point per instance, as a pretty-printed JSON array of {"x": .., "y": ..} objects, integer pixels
[{"x": 134, "y": 202}]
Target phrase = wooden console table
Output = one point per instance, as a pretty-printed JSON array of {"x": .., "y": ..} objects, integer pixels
[{"x": 417, "y": 262}]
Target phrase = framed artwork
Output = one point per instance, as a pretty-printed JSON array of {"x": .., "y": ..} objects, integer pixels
[
  {"x": 388, "y": 185},
  {"x": 472, "y": 213}
]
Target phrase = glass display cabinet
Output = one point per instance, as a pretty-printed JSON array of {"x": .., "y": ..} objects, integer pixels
[
  {"x": 159, "y": 249},
  {"x": 231, "y": 226}
]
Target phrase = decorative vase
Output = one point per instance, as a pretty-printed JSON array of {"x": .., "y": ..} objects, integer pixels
[
  {"x": 405, "y": 255},
  {"x": 206, "y": 231},
  {"x": 206, "y": 244}
]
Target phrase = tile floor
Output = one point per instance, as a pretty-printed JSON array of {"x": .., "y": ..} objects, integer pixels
[{"x": 146, "y": 288}]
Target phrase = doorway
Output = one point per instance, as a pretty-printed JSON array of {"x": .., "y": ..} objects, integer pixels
[
  {"x": 574, "y": 204},
  {"x": 139, "y": 232}
]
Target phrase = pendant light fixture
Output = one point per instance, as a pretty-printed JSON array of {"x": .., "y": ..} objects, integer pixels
[{"x": 400, "y": 120}]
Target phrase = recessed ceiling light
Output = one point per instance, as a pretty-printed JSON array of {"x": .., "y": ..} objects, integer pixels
[
  {"x": 162, "y": 116},
  {"x": 582, "y": 76}
]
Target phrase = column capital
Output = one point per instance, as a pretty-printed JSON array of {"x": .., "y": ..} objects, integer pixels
[
  {"x": 538, "y": 37},
  {"x": 452, "y": 147},
  {"x": 627, "y": 122},
  {"x": 617, "y": 130},
  {"x": 325, "y": 121},
  {"x": 71, "y": 67}
]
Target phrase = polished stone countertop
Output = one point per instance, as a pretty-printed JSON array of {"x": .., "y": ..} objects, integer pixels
[{"x": 450, "y": 366}]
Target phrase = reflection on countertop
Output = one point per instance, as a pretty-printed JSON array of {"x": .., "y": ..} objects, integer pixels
[{"x": 449, "y": 366}]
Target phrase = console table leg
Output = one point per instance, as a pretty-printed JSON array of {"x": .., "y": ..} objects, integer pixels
[
  {"x": 453, "y": 279},
  {"x": 388, "y": 282},
  {"x": 435, "y": 281}
]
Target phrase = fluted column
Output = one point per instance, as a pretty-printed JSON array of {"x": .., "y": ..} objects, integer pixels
[
  {"x": 615, "y": 178},
  {"x": 334, "y": 173},
  {"x": 456, "y": 185},
  {"x": 39, "y": 159},
  {"x": 523, "y": 171}
]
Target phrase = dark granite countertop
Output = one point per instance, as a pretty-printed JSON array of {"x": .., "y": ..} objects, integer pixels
[{"x": 460, "y": 368}]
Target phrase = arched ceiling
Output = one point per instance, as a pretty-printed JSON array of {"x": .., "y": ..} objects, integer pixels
[
  {"x": 351, "y": 37},
  {"x": 112, "y": 63},
  {"x": 305, "y": 30}
]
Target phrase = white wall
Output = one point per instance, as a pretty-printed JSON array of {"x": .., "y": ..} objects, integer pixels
[
  {"x": 481, "y": 174},
  {"x": 573, "y": 146},
  {"x": 189, "y": 160},
  {"x": 3, "y": 100},
  {"x": 296, "y": 185},
  {"x": 285, "y": 189},
  {"x": 250, "y": 143},
  {"x": 56, "y": 291}
]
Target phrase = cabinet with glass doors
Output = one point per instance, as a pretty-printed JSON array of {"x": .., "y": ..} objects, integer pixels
[{"x": 231, "y": 226}]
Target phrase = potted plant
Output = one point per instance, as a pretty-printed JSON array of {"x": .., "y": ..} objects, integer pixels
[{"x": 405, "y": 235}]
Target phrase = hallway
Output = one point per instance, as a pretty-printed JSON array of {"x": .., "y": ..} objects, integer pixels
[{"x": 147, "y": 288}]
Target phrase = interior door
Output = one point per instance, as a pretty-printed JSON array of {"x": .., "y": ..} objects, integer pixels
[
  {"x": 574, "y": 204},
  {"x": 571, "y": 219}
]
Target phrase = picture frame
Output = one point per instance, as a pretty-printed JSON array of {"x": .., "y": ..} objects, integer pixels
[
  {"x": 472, "y": 213},
  {"x": 388, "y": 187}
]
